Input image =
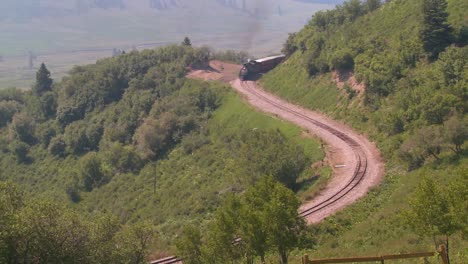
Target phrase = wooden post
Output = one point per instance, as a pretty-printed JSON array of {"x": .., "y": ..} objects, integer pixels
[
  {"x": 443, "y": 254},
  {"x": 305, "y": 259}
]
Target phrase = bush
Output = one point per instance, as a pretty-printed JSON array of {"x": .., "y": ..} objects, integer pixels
[
  {"x": 75, "y": 137},
  {"x": 90, "y": 173},
  {"x": 45, "y": 132},
  {"x": 7, "y": 110},
  {"x": 342, "y": 60},
  {"x": 57, "y": 146},
  {"x": 20, "y": 149},
  {"x": 22, "y": 128}
]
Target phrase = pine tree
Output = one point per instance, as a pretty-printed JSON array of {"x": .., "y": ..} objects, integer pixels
[
  {"x": 187, "y": 42},
  {"x": 436, "y": 31},
  {"x": 43, "y": 81}
]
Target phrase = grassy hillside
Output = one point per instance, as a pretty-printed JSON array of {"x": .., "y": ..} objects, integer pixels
[
  {"x": 131, "y": 137},
  {"x": 411, "y": 106}
]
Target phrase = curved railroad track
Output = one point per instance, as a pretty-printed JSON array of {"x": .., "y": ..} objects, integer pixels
[
  {"x": 367, "y": 167},
  {"x": 361, "y": 158},
  {"x": 349, "y": 187}
]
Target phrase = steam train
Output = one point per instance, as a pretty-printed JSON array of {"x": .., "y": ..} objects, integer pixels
[{"x": 258, "y": 66}]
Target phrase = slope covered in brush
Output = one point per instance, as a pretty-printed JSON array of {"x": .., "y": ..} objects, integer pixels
[
  {"x": 398, "y": 72},
  {"x": 131, "y": 137}
]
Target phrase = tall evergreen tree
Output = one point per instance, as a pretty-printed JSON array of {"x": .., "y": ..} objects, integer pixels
[
  {"x": 43, "y": 81},
  {"x": 186, "y": 42},
  {"x": 436, "y": 31}
]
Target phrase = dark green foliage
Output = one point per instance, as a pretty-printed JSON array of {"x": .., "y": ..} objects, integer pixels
[
  {"x": 12, "y": 94},
  {"x": 413, "y": 107},
  {"x": 75, "y": 137},
  {"x": 342, "y": 60},
  {"x": 290, "y": 163},
  {"x": 131, "y": 131},
  {"x": 20, "y": 150},
  {"x": 48, "y": 104},
  {"x": 436, "y": 31},
  {"x": 455, "y": 132},
  {"x": 95, "y": 86},
  {"x": 42, "y": 231},
  {"x": 187, "y": 42},
  {"x": 372, "y": 5},
  {"x": 265, "y": 218},
  {"x": 57, "y": 146},
  {"x": 190, "y": 245},
  {"x": 434, "y": 210},
  {"x": 7, "y": 110},
  {"x": 232, "y": 56},
  {"x": 43, "y": 81},
  {"x": 425, "y": 142},
  {"x": 22, "y": 128},
  {"x": 90, "y": 172},
  {"x": 122, "y": 159},
  {"x": 288, "y": 46},
  {"x": 45, "y": 132}
]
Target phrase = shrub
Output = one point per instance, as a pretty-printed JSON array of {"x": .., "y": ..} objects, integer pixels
[
  {"x": 20, "y": 149},
  {"x": 57, "y": 146}
]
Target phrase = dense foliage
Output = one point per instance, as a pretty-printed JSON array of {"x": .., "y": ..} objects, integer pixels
[
  {"x": 410, "y": 62},
  {"x": 131, "y": 136},
  {"x": 263, "y": 220},
  {"x": 41, "y": 231}
]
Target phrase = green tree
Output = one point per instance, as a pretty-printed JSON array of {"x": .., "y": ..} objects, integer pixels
[
  {"x": 431, "y": 212},
  {"x": 20, "y": 149},
  {"x": 91, "y": 174},
  {"x": 372, "y": 5},
  {"x": 7, "y": 110},
  {"x": 22, "y": 127},
  {"x": 43, "y": 81},
  {"x": 75, "y": 137},
  {"x": 425, "y": 142},
  {"x": 11, "y": 200},
  {"x": 187, "y": 42},
  {"x": 455, "y": 132},
  {"x": 436, "y": 31},
  {"x": 289, "y": 47},
  {"x": 57, "y": 146},
  {"x": 132, "y": 243},
  {"x": 189, "y": 245},
  {"x": 276, "y": 208}
]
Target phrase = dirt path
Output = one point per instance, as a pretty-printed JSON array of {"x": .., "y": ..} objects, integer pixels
[{"x": 341, "y": 153}]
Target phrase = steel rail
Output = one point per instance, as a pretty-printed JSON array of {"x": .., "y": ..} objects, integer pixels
[{"x": 361, "y": 158}]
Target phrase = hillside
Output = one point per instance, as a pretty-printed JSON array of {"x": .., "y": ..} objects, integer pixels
[
  {"x": 370, "y": 67},
  {"x": 132, "y": 138}
]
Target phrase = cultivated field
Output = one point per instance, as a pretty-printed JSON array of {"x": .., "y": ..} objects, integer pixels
[{"x": 71, "y": 37}]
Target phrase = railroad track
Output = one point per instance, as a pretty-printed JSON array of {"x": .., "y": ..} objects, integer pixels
[
  {"x": 361, "y": 158},
  {"x": 359, "y": 170},
  {"x": 167, "y": 260}
]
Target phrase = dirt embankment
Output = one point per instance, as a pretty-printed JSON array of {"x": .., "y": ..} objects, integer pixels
[
  {"x": 216, "y": 71},
  {"x": 342, "y": 78}
]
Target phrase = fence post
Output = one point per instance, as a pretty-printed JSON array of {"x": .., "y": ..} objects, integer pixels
[
  {"x": 305, "y": 259},
  {"x": 443, "y": 254}
]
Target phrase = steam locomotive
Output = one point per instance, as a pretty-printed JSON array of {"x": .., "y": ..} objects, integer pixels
[{"x": 258, "y": 66}]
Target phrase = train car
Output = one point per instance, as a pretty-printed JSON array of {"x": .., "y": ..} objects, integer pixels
[{"x": 259, "y": 66}]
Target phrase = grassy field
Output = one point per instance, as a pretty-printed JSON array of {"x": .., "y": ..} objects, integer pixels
[{"x": 81, "y": 38}]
